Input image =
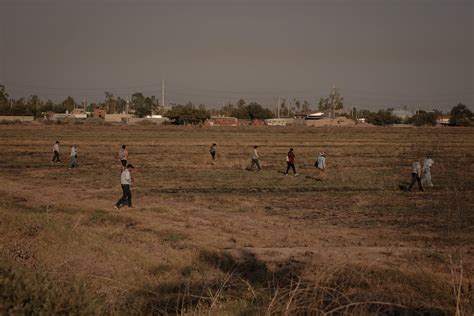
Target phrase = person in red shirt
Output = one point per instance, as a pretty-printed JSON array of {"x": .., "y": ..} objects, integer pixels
[{"x": 290, "y": 162}]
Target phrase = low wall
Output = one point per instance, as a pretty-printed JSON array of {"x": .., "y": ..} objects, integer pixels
[
  {"x": 21, "y": 118},
  {"x": 138, "y": 120}
]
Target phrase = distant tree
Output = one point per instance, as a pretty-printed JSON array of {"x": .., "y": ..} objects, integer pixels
[
  {"x": 139, "y": 105},
  {"x": 253, "y": 111},
  {"x": 383, "y": 117},
  {"x": 297, "y": 104},
  {"x": 48, "y": 106},
  {"x": 121, "y": 105},
  {"x": 69, "y": 104},
  {"x": 110, "y": 103},
  {"x": 460, "y": 115},
  {"x": 3, "y": 96},
  {"x": 306, "y": 107},
  {"x": 187, "y": 114},
  {"x": 34, "y": 104},
  {"x": 152, "y": 104},
  {"x": 19, "y": 107},
  {"x": 227, "y": 109},
  {"x": 285, "y": 110},
  {"x": 423, "y": 118},
  {"x": 241, "y": 103},
  {"x": 333, "y": 102}
]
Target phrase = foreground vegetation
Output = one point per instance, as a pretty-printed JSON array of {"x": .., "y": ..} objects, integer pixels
[{"x": 214, "y": 238}]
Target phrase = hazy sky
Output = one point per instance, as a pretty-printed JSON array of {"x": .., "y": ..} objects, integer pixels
[{"x": 380, "y": 53}]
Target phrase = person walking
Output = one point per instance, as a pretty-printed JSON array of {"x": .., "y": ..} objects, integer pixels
[
  {"x": 321, "y": 165},
  {"x": 73, "y": 157},
  {"x": 416, "y": 174},
  {"x": 123, "y": 156},
  {"x": 213, "y": 151},
  {"x": 126, "y": 182},
  {"x": 55, "y": 152},
  {"x": 290, "y": 162},
  {"x": 426, "y": 179},
  {"x": 255, "y": 159}
]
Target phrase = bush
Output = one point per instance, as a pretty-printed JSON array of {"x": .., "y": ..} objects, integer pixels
[
  {"x": 383, "y": 117},
  {"x": 33, "y": 294},
  {"x": 423, "y": 118}
]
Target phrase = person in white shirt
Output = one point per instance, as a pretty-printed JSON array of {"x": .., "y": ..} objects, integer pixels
[
  {"x": 255, "y": 159},
  {"x": 321, "y": 165},
  {"x": 427, "y": 163},
  {"x": 56, "y": 152},
  {"x": 73, "y": 157},
  {"x": 126, "y": 182}
]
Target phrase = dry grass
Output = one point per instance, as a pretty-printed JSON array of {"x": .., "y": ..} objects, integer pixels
[{"x": 214, "y": 238}]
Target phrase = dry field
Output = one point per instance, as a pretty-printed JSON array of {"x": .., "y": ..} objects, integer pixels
[{"x": 216, "y": 239}]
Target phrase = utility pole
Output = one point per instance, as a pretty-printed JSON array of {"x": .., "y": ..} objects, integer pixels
[
  {"x": 163, "y": 93},
  {"x": 278, "y": 108},
  {"x": 333, "y": 114}
]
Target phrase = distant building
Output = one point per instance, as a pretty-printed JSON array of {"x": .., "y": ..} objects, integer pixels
[
  {"x": 99, "y": 113},
  {"x": 222, "y": 121},
  {"x": 442, "y": 120},
  {"x": 279, "y": 121},
  {"x": 118, "y": 118}
]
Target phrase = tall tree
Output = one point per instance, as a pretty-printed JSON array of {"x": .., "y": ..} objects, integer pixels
[
  {"x": 333, "y": 102},
  {"x": 69, "y": 103},
  {"x": 110, "y": 103},
  {"x": 139, "y": 106},
  {"x": 306, "y": 107},
  {"x": 3, "y": 96},
  {"x": 461, "y": 116}
]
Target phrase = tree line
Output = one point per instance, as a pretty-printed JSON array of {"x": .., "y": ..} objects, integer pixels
[{"x": 143, "y": 106}]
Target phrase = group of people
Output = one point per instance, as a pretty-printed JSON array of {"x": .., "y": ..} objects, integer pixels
[
  {"x": 421, "y": 175},
  {"x": 125, "y": 179},
  {"x": 320, "y": 163},
  {"x": 72, "y": 155}
]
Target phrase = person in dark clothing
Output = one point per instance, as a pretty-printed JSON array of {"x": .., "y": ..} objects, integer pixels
[
  {"x": 213, "y": 151},
  {"x": 126, "y": 182},
  {"x": 416, "y": 176},
  {"x": 290, "y": 162}
]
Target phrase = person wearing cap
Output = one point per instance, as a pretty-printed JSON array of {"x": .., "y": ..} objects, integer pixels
[
  {"x": 426, "y": 179},
  {"x": 290, "y": 162},
  {"x": 321, "y": 165},
  {"x": 123, "y": 156},
  {"x": 255, "y": 158},
  {"x": 126, "y": 182},
  {"x": 56, "y": 152},
  {"x": 416, "y": 174},
  {"x": 213, "y": 151},
  {"x": 73, "y": 157}
]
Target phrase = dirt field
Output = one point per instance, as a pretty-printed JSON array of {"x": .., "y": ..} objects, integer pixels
[{"x": 214, "y": 238}]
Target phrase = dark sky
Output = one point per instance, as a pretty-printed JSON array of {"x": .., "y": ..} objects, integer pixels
[{"x": 380, "y": 53}]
